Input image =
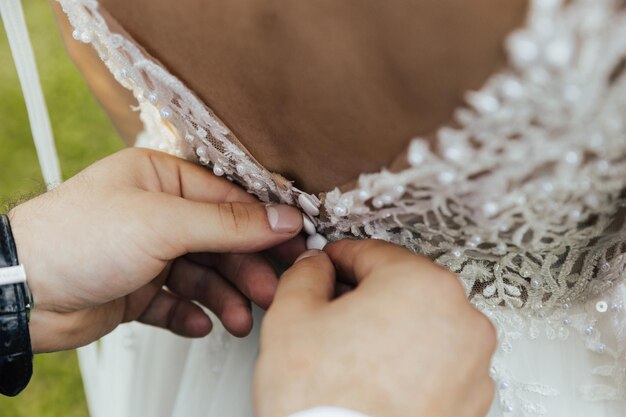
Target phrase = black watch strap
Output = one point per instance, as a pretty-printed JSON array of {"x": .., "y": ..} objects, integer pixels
[{"x": 16, "y": 355}]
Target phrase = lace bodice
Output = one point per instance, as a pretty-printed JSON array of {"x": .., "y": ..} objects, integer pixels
[{"x": 523, "y": 197}]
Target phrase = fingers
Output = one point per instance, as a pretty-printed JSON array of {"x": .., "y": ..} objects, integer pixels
[
  {"x": 356, "y": 260},
  {"x": 308, "y": 283},
  {"x": 166, "y": 173},
  {"x": 181, "y": 317},
  {"x": 196, "y": 282},
  {"x": 252, "y": 275},
  {"x": 187, "y": 226},
  {"x": 286, "y": 253}
]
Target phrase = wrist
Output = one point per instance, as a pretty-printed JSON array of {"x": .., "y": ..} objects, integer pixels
[
  {"x": 40, "y": 327},
  {"x": 22, "y": 235}
]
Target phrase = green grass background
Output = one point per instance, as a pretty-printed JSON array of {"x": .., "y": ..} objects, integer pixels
[{"x": 83, "y": 135}]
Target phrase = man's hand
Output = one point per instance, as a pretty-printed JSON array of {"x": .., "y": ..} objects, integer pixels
[
  {"x": 406, "y": 342},
  {"x": 112, "y": 245}
]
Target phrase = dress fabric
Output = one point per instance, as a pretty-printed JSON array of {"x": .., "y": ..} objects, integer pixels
[{"x": 524, "y": 198}]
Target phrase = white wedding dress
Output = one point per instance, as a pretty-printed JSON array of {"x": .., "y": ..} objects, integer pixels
[{"x": 525, "y": 199}]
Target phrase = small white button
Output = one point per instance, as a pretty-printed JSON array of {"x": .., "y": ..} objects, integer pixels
[
  {"x": 308, "y": 205},
  {"x": 316, "y": 241},
  {"x": 309, "y": 227},
  {"x": 218, "y": 170}
]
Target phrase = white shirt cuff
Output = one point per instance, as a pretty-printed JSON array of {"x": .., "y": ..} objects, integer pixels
[{"x": 328, "y": 412}]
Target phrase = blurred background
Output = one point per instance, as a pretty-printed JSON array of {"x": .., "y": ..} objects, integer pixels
[{"x": 83, "y": 135}]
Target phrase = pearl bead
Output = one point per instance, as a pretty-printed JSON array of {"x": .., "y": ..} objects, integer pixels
[
  {"x": 316, "y": 241},
  {"x": 523, "y": 49},
  {"x": 559, "y": 52},
  {"x": 547, "y": 187},
  {"x": 378, "y": 203},
  {"x": 165, "y": 113},
  {"x": 386, "y": 199},
  {"x": 605, "y": 267},
  {"x": 446, "y": 177},
  {"x": 501, "y": 248},
  {"x": 483, "y": 102},
  {"x": 76, "y": 34},
  {"x": 504, "y": 385},
  {"x": 589, "y": 330},
  {"x": 575, "y": 214},
  {"x": 567, "y": 322},
  {"x": 340, "y": 211},
  {"x": 201, "y": 132},
  {"x": 202, "y": 152},
  {"x": 241, "y": 169},
  {"x": 417, "y": 152},
  {"x": 457, "y": 253},
  {"x": 363, "y": 195},
  {"x": 85, "y": 37},
  {"x": 512, "y": 88},
  {"x": 399, "y": 190},
  {"x": 602, "y": 306},
  {"x": 601, "y": 348},
  {"x": 473, "y": 241},
  {"x": 307, "y": 203},
  {"x": 572, "y": 157},
  {"x": 453, "y": 153},
  {"x": 257, "y": 185},
  {"x": 152, "y": 98},
  {"x": 308, "y": 225},
  {"x": 490, "y": 208},
  {"x": 536, "y": 283},
  {"x": 218, "y": 170},
  {"x": 189, "y": 138},
  {"x": 565, "y": 306}
]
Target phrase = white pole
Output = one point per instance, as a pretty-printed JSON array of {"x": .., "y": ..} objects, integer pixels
[{"x": 22, "y": 50}]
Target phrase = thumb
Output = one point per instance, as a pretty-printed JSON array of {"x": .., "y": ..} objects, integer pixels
[
  {"x": 309, "y": 282},
  {"x": 219, "y": 227}
]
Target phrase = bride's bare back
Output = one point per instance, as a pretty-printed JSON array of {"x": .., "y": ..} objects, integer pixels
[{"x": 319, "y": 91}]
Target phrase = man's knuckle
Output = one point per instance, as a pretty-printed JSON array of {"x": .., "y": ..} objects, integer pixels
[{"x": 234, "y": 217}]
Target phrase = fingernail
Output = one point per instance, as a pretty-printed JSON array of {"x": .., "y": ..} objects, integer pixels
[
  {"x": 283, "y": 219},
  {"x": 308, "y": 254}
]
